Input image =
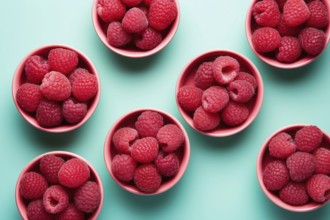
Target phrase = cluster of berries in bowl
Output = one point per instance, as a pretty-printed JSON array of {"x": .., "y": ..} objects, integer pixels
[
  {"x": 288, "y": 33},
  {"x": 293, "y": 168},
  {"x": 219, "y": 93},
  {"x": 56, "y": 88},
  {"x": 136, "y": 28},
  {"x": 147, "y": 151},
  {"x": 59, "y": 185}
]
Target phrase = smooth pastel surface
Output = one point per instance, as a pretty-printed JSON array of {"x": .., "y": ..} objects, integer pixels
[{"x": 220, "y": 181}]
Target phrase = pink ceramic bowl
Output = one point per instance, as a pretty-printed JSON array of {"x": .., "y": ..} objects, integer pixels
[
  {"x": 129, "y": 120},
  {"x": 20, "y": 78},
  {"x": 264, "y": 158},
  {"x": 33, "y": 165},
  {"x": 251, "y": 26},
  {"x": 132, "y": 52},
  {"x": 187, "y": 77}
]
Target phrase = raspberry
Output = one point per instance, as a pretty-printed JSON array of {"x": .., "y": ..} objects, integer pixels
[
  {"x": 49, "y": 113},
  {"x": 134, "y": 21},
  {"x": 167, "y": 165},
  {"x": 301, "y": 166},
  {"x": 70, "y": 213},
  {"x": 266, "y": 39},
  {"x": 204, "y": 75},
  {"x": 148, "y": 123},
  {"x": 111, "y": 10},
  {"x": 162, "y": 13},
  {"x": 240, "y": 91},
  {"x": 145, "y": 150},
  {"x": 63, "y": 60},
  {"x": 275, "y": 175},
  {"x": 170, "y": 138},
  {"x": 55, "y": 86},
  {"x": 234, "y": 113},
  {"x": 29, "y": 96},
  {"x": 294, "y": 194},
  {"x": 318, "y": 187},
  {"x": 123, "y": 167},
  {"x": 74, "y": 111},
  {"x": 77, "y": 72},
  {"x": 85, "y": 87},
  {"x": 312, "y": 40},
  {"x": 247, "y": 77},
  {"x": 123, "y": 139},
  {"x": 35, "y": 69},
  {"x": 73, "y": 173},
  {"x": 204, "y": 120},
  {"x": 295, "y": 12},
  {"x": 215, "y": 98},
  {"x": 286, "y": 30},
  {"x": 87, "y": 197},
  {"x": 49, "y": 167},
  {"x": 319, "y": 15},
  {"x": 131, "y": 3},
  {"x": 33, "y": 185},
  {"x": 322, "y": 161},
  {"x": 308, "y": 138},
  {"x": 55, "y": 199},
  {"x": 266, "y": 13},
  {"x": 189, "y": 97},
  {"x": 225, "y": 69},
  {"x": 147, "y": 179},
  {"x": 148, "y": 39},
  {"x": 116, "y": 36},
  {"x": 289, "y": 50},
  {"x": 36, "y": 211},
  {"x": 282, "y": 146}
]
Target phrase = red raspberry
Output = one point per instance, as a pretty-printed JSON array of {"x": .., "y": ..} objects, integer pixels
[
  {"x": 204, "y": 75},
  {"x": 286, "y": 30},
  {"x": 215, "y": 98},
  {"x": 266, "y": 13},
  {"x": 312, "y": 40},
  {"x": 55, "y": 199},
  {"x": 36, "y": 211},
  {"x": 84, "y": 87},
  {"x": 240, "y": 91},
  {"x": 147, "y": 179},
  {"x": 111, "y": 10},
  {"x": 132, "y": 3},
  {"x": 167, "y": 165},
  {"x": 123, "y": 167},
  {"x": 147, "y": 2},
  {"x": 308, "y": 138},
  {"x": 55, "y": 86},
  {"x": 87, "y": 197},
  {"x": 247, "y": 77},
  {"x": 225, "y": 69},
  {"x": 170, "y": 138},
  {"x": 282, "y": 146},
  {"x": 71, "y": 213},
  {"x": 319, "y": 15},
  {"x": 35, "y": 69},
  {"x": 73, "y": 173},
  {"x": 266, "y": 39},
  {"x": 134, "y": 21},
  {"x": 294, "y": 194},
  {"x": 74, "y": 111},
  {"x": 275, "y": 175},
  {"x": 123, "y": 139},
  {"x": 189, "y": 97},
  {"x": 145, "y": 150},
  {"x": 63, "y": 60},
  {"x": 77, "y": 72},
  {"x": 301, "y": 166},
  {"x": 33, "y": 185},
  {"x": 116, "y": 36},
  {"x": 49, "y": 167},
  {"x": 148, "y": 39},
  {"x": 322, "y": 160},
  {"x": 318, "y": 187},
  {"x": 162, "y": 13},
  {"x": 295, "y": 12},
  {"x": 29, "y": 96},
  {"x": 289, "y": 50},
  {"x": 205, "y": 121},
  {"x": 234, "y": 113},
  {"x": 49, "y": 113},
  {"x": 148, "y": 123}
]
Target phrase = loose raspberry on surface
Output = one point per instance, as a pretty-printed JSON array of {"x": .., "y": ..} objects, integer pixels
[
  {"x": 85, "y": 87},
  {"x": 205, "y": 121},
  {"x": 204, "y": 75},
  {"x": 62, "y": 60},
  {"x": 148, "y": 39},
  {"x": 234, "y": 113},
  {"x": 225, "y": 69},
  {"x": 36, "y": 68},
  {"x": 116, "y": 36},
  {"x": 55, "y": 199},
  {"x": 240, "y": 91},
  {"x": 77, "y": 72},
  {"x": 49, "y": 113},
  {"x": 294, "y": 194},
  {"x": 167, "y": 165},
  {"x": 74, "y": 111},
  {"x": 55, "y": 86},
  {"x": 134, "y": 21},
  {"x": 148, "y": 123},
  {"x": 70, "y": 213},
  {"x": 189, "y": 97},
  {"x": 147, "y": 179},
  {"x": 73, "y": 173},
  {"x": 49, "y": 166},
  {"x": 312, "y": 40},
  {"x": 162, "y": 13},
  {"x": 282, "y": 146},
  {"x": 145, "y": 150},
  {"x": 319, "y": 17},
  {"x": 318, "y": 187},
  {"x": 132, "y": 3},
  {"x": 87, "y": 197},
  {"x": 289, "y": 50},
  {"x": 123, "y": 139},
  {"x": 295, "y": 12},
  {"x": 301, "y": 166},
  {"x": 266, "y": 39},
  {"x": 36, "y": 211},
  {"x": 247, "y": 77},
  {"x": 123, "y": 167},
  {"x": 322, "y": 160},
  {"x": 308, "y": 138},
  {"x": 170, "y": 137},
  {"x": 275, "y": 175},
  {"x": 111, "y": 10},
  {"x": 215, "y": 98},
  {"x": 266, "y": 13},
  {"x": 32, "y": 185},
  {"x": 28, "y": 96}
]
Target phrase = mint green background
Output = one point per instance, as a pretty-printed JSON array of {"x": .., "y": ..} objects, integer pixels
[{"x": 220, "y": 182}]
